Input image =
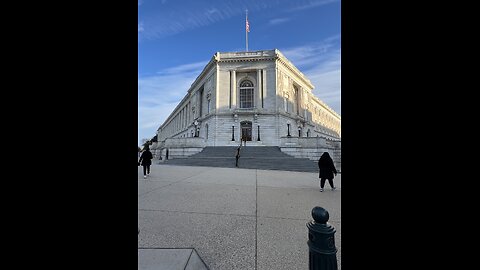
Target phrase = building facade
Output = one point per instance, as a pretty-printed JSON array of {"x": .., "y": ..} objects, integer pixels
[{"x": 259, "y": 96}]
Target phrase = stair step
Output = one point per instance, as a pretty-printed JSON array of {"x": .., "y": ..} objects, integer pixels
[{"x": 264, "y": 157}]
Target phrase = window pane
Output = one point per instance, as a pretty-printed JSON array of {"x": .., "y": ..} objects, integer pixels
[{"x": 246, "y": 98}]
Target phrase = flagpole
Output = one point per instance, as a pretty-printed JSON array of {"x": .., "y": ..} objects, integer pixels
[{"x": 246, "y": 30}]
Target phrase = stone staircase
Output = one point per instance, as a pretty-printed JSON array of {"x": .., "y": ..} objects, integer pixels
[{"x": 253, "y": 157}]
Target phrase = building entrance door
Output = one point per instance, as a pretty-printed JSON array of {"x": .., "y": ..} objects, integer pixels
[{"x": 246, "y": 130}]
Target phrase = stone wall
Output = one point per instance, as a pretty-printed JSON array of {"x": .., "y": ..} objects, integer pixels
[
  {"x": 180, "y": 147},
  {"x": 312, "y": 148}
]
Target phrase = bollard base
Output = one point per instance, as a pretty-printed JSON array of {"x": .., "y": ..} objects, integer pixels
[{"x": 322, "y": 261}]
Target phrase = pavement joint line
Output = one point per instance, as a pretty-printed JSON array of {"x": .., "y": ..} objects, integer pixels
[
  {"x": 154, "y": 189},
  {"x": 310, "y": 188},
  {"x": 314, "y": 188},
  {"x": 189, "y": 212},
  {"x": 201, "y": 259},
  {"x": 172, "y": 182},
  {"x": 240, "y": 168},
  {"x": 237, "y": 215},
  {"x": 185, "y": 267},
  {"x": 219, "y": 184},
  {"x": 287, "y": 218},
  {"x": 147, "y": 247},
  {"x": 256, "y": 218}
]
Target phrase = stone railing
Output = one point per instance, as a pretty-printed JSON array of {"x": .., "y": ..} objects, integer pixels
[{"x": 185, "y": 142}]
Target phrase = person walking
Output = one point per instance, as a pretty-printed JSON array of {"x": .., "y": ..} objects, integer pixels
[
  {"x": 237, "y": 156},
  {"x": 327, "y": 170},
  {"x": 146, "y": 161}
]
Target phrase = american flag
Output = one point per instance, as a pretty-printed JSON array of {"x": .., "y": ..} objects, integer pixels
[{"x": 247, "y": 25}]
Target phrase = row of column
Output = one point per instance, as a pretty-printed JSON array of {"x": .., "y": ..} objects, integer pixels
[{"x": 181, "y": 120}]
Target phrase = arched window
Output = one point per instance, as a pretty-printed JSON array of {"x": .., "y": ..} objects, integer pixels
[{"x": 246, "y": 94}]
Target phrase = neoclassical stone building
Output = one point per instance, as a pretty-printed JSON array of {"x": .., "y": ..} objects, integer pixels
[{"x": 260, "y": 96}]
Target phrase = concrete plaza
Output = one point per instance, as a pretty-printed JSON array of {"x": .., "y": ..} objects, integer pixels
[{"x": 234, "y": 218}]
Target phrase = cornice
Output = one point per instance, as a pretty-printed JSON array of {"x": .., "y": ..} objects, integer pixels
[
  {"x": 202, "y": 75},
  {"x": 254, "y": 56},
  {"x": 246, "y": 60},
  {"x": 286, "y": 63}
]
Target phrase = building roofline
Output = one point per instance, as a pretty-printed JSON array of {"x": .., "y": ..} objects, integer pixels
[{"x": 284, "y": 60}]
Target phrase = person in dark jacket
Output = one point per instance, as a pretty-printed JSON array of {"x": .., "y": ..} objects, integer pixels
[
  {"x": 237, "y": 156},
  {"x": 327, "y": 170},
  {"x": 146, "y": 161}
]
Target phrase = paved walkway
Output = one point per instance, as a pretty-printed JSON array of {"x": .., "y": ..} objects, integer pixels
[{"x": 234, "y": 218}]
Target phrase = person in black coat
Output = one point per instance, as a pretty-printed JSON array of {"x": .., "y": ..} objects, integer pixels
[
  {"x": 146, "y": 161},
  {"x": 237, "y": 156},
  {"x": 327, "y": 170}
]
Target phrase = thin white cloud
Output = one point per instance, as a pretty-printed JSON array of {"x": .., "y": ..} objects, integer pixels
[
  {"x": 202, "y": 13},
  {"x": 321, "y": 64},
  {"x": 140, "y": 27},
  {"x": 140, "y": 2},
  {"x": 178, "y": 21},
  {"x": 327, "y": 87},
  {"x": 313, "y": 4},
  {"x": 312, "y": 54},
  {"x": 186, "y": 68},
  {"x": 326, "y": 77},
  {"x": 211, "y": 11},
  {"x": 158, "y": 95},
  {"x": 278, "y": 21}
]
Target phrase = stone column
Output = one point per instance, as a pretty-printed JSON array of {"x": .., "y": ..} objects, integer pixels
[
  {"x": 258, "y": 96},
  {"x": 230, "y": 89},
  {"x": 234, "y": 88},
  {"x": 199, "y": 102},
  {"x": 264, "y": 86},
  {"x": 300, "y": 101}
]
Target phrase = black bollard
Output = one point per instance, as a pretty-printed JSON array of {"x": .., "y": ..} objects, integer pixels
[{"x": 321, "y": 241}]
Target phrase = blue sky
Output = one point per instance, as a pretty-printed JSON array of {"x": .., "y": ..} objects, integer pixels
[{"x": 177, "y": 38}]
